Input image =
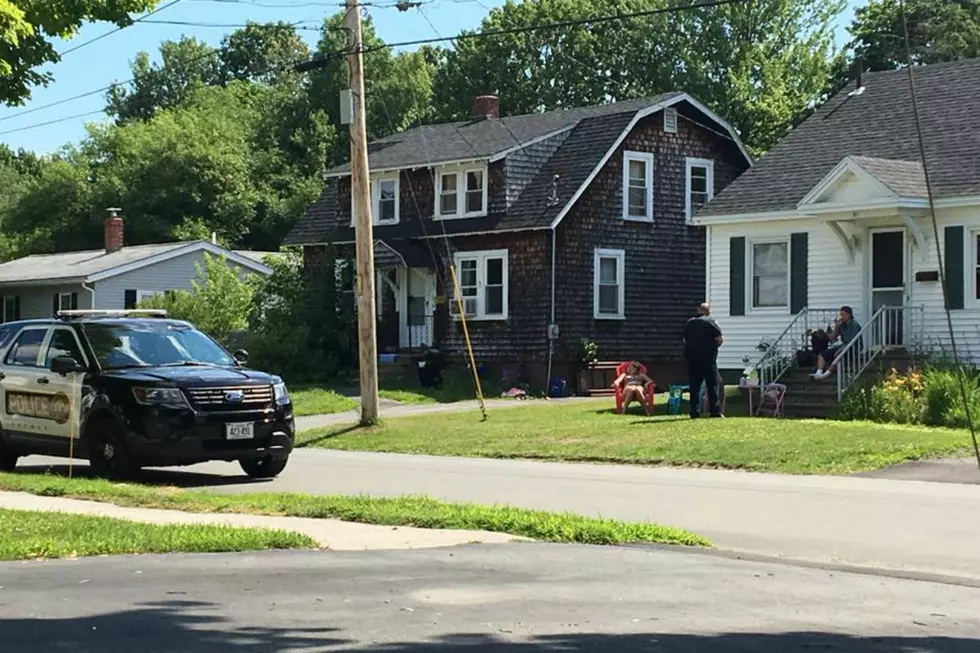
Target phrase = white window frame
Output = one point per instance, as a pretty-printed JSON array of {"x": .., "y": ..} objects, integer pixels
[
  {"x": 971, "y": 269},
  {"x": 481, "y": 258},
  {"x": 690, "y": 164},
  {"x": 376, "y": 200},
  {"x": 145, "y": 294},
  {"x": 670, "y": 118},
  {"x": 647, "y": 159},
  {"x": 461, "y": 172},
  {"x": 620, "y": 256},
  {"x": 13, "y": 309},
  {"x": 61, "y": 301},
  {"x": 750, "y": 275}
]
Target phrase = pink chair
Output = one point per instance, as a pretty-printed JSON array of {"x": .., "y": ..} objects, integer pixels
[{"x": 771, "y": 400}]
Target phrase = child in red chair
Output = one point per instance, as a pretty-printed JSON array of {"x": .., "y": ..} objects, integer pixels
[{"x": 634, "y": 383}]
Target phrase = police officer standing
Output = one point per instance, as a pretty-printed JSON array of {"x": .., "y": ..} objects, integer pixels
[{"x": 702, "y": 338}]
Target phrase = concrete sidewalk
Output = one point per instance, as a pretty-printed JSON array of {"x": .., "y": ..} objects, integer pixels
[
  {"x": 329, "y": 533},
  {"x": 391, "y": 410}
]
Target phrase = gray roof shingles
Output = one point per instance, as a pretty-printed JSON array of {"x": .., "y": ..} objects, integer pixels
[
  {"x": 905, "y": 178},
  {"x": 77, "y": 265},
  {"x": 594, "y": 130},
  {"x": 878, "y": 124}
]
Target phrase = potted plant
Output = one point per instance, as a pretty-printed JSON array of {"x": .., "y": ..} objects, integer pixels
[{"x": 589, "y": 356}]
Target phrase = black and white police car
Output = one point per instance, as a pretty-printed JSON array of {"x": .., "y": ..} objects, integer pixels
[{"x": 132, "y": 389}]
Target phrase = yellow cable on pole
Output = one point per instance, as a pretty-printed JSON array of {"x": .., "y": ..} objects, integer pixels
[{"x": 466, "y": 335}]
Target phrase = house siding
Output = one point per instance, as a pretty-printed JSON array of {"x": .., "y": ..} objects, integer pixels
[
  {"x": 665, "y": 261},
  {"x": 174, "y": 274},
  {"x": 38, "y": 301},
  {"x": 834, "y": 281}
]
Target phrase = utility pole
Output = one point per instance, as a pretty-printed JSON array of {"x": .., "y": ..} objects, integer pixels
[{"x": 364, "y": 231}]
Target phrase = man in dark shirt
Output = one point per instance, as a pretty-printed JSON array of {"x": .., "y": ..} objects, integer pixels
[{"x": 702, "y": 338}]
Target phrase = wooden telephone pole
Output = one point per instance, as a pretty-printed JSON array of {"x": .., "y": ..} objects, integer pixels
[{"x": 364, "y": 231}]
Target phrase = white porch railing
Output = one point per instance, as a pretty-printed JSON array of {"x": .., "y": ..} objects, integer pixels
[
  {"x": 890, "y": 327},
  {"x": 780, "y": 354}
]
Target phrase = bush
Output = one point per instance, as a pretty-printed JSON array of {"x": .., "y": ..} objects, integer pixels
[{"x": 931, "y": 397}]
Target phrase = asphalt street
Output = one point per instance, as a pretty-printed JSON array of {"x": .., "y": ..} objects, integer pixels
[
  {"x": 524, "y": 598},
  {"x": 905, "y": 526}
]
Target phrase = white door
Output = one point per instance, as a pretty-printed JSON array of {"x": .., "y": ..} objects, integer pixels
[
  {"x": 31, "y": 407},
  {"x": 66, "y": 391},
  {"x": 416, "y": 306},
  {"x": 888, "y": 282}
]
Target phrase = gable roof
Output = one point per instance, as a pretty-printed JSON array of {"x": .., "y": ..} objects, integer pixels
[
  {"x": 481, "y": 138},
  {"x": 877, "y": 125},
  {"x": 585, "y": 139},
  {"x": 96, "y": 265}
]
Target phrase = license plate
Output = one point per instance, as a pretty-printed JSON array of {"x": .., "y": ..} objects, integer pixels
[{"x": 240, "y": 431}]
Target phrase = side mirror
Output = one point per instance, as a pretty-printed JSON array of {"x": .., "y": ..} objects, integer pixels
[
  {"x": 64, "y": 365},
  {"x": 241, "y": 356}
]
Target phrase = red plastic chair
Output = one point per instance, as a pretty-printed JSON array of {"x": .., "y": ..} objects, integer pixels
[
  {"x": 771, "y": 401},
  {"x": 650, "y": 389}
]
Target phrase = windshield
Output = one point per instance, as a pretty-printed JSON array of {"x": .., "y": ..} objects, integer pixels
[{"x": 153, "y": 344}]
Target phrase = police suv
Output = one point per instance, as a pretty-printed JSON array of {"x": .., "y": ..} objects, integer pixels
[{"x": 131, "y": 389}]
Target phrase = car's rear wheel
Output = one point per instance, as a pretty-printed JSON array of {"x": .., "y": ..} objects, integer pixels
[
  {"x": 265, "y": 467},
  {"x": 8, "y": 458},
  {"x": 107, "y": 452}
]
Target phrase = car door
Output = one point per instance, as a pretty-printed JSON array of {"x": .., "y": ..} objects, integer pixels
[
  {"x": 24, "y": 382},
  {"x": 65, "y": 392}
]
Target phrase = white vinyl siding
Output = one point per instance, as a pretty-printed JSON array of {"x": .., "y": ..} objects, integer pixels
[
  {"x": 461, "y": 192},
  {"x": 483, "y": 284},
  {"x": 609, "y": 284},
  {"x": 638, "y": 186},
  {"x": 699, "y": 184}
]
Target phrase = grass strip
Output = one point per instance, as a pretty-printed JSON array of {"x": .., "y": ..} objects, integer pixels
[
  {"x": 31, "y": 535},
  {"x": 417, "y": 511},
  {"x": 592, "y": 432}
]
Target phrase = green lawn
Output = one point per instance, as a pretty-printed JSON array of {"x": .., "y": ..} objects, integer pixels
[
  {"x": 591, "y": 431},
  {"x": 30, "y": 535},
  {"x": 403, "y": 511}
]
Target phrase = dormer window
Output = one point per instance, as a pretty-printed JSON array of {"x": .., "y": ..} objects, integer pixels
[
  {"x": 385, "y": 200},
  {"x": 461, "y": 192}
]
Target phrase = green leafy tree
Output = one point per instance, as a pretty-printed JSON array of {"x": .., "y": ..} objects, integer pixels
[
  {"x": 27, "y": 28},
  {"x": 939, "y": 30},
  {"x": 261, "y": 52},
  {"x": 759, "y": 64},
  {"x": 219, "y": 300}
]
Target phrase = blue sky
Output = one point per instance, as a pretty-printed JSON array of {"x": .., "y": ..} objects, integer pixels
[{"x": 108, "y": 60}]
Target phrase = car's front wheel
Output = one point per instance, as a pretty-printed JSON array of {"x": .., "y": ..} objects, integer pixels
[
  {"x": 265, "y": 467},
  {"x": 8, "y": 458},
  {"x": 107, "y": 452}
]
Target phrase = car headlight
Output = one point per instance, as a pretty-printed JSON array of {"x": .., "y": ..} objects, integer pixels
[
  {"x": 280, "y": 391},
  {"x": 160, "y": 397}
]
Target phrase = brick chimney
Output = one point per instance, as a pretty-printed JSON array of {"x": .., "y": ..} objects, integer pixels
[
  {"x": 113, "y": 231},
  {"x": 486, "y": 106}
]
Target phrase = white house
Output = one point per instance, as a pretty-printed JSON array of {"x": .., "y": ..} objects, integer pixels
[
  {"x": 838, "y": 214},
  {"x": 115, "y": 277}
]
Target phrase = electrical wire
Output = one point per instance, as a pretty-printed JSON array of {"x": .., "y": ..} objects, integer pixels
[
  {"x": 118, "y": 29},
  {"x": 961, "y": 373}
]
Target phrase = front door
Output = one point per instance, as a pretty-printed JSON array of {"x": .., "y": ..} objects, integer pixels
[
  {"x": 418, "y": 290},
  {"x": 888, "y": 282}
]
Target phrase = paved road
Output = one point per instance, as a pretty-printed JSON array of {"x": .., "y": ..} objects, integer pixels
[
  {"x": 898, "y": 525},
  {"x": 525, "y": 598}
]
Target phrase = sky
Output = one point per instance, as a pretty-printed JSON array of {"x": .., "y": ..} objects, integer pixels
[{"x": 108, "y": 60}]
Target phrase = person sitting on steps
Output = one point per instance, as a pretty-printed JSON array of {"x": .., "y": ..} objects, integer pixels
[{"x": 846, "y": 328}]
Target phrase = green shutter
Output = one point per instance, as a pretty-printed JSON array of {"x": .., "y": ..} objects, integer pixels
[
  {"x": 736, "y": 276},
  {"x": 798, "y": 255},
  {"x": 955, "y": 273}
]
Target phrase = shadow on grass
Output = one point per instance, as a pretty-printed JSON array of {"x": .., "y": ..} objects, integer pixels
[
  {"x": 200, "y": 627},
  {"x": 168, "y": 477},
  {"x": 328, "y": 436}
]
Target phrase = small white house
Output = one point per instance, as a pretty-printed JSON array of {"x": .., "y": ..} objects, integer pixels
[
  {"x": 838, "y": 214},
  {"x": 116, "y": 277}
]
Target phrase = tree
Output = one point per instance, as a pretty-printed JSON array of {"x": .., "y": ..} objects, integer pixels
[
  {"x": 186, "y": 65},
  {"x": 219, "y": 300},
  {"x": 261, "y": 52},
  {"x": 939, "y": 30},
  {"x": 758, "y": 63},
  {"x": 397, "y": 88},
  {"x": 26, "y": 30}
]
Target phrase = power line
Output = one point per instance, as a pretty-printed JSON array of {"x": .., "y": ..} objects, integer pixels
[
  {"x": 317, "y": 61},
  {"x": 52, "y": 122},
  {"x": 960, "y": 373},
  {"x": 118, "y": 29}
]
